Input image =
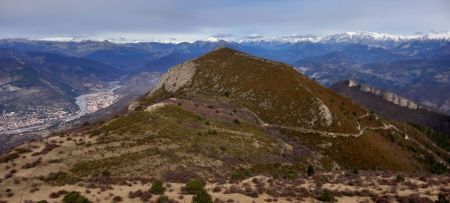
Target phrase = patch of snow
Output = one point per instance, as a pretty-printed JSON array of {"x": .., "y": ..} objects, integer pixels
[{"x": 212, "y": 39}]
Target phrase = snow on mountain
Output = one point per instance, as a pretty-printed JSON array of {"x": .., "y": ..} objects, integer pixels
[
  {"x": 364, "y": 36},
  {"x": 338, "y": 38}
]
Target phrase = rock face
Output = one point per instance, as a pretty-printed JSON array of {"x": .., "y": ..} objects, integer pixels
[
  {"x": 133, "y": 106},
  {"x": 401, "y": 101},
  {"x": 391, "y": 106},
  {"x": 388, "y": 96},
  {"x": 177, "y": 77}
]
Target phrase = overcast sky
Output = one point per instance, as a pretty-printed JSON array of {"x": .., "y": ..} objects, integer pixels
[{"x": 197, "y": 19}]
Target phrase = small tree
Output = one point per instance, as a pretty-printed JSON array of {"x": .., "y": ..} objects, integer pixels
[
  {"x": 326, "y": 197},
  {"x": 202, "y": 197},
  {"x": 194, "y": 186},
  {"x": 157, "y": 188},
  {"x": 310, "y": 170},
  {"x": 163, "y": 199}
]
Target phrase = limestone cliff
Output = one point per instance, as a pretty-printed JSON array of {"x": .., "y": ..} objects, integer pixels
[{"x": 388, "y": 96}]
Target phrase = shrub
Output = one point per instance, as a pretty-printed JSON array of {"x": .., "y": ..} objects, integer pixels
[
  {"x": 54, "y": 195},
  {"x": 75, "y": 197},
  {"x": 106, "y": 173},
  {"x": 163, "y": 199},
  {"x": 399, "y": 178},
  {"x": 22, "y": 150},
  {"x": 194, "y": 186},
  {"x": 290, "y": 174},
  {"x": 442, "y": 199},
  {"x": 32, "y": 164},
  {"x": 326, "y": 197},
  {"x": 9, "y": 157},
  {"x": 117, "y": 199},
  {"x": 236, "y": 121},
  {"x": 144, "y": 196},
  {"x": 212, "y": 132},
  {"x": 310, "y": 170},
  {"x": 202, "y": 197},
  {"x": 240, "y": 174},
  {"x": 435, "y": 166},
  {"x": 157, "y": 188},
  {"x": 217, "y": 189},
  {"x": 60, "y": 178}
]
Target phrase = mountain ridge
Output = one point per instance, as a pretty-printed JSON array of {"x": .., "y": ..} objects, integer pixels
[{"x": 360, "y": 35}]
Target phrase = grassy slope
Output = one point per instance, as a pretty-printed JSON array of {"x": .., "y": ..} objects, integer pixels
[
  {"x": 274, "y": 91},
  {"x": 175, "y": 138},
  {"x": 196, "y": 134}
]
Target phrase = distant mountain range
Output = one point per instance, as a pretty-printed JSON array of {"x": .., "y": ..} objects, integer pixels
[
  {"x": 343, "y": 37},
  {"x": 33, "y": 79},
  {"x": 416, "y": 67}
]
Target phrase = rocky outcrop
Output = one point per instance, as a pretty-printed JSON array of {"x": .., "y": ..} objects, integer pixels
[
  {"x": 177, "y": 77},
  {"x": 401, "y": 101},
  {"x": 133, "y": 106},
  {"x": 388, "y": 96}
]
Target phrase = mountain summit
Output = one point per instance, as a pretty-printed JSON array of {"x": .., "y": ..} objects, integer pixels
[
  {"x": 276, "y": 92},
  {"x": 280, "y": 99}
]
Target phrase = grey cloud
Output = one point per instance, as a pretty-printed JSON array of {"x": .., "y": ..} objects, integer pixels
[{"x": 43, "y": 18}]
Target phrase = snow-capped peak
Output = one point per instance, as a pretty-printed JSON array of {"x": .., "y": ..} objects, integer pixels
[
  {"x": 353, "y": 37},
  {"x": 64, "y": 39},
  {"x": 212, "y": 39},
  {"x": 364, "y": 35}
]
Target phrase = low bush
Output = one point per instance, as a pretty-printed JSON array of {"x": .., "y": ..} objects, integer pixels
[
  {"x": 193, "y": 186},
  {"x": 442, "y": 199},
  {"x": 414, "y": 198},
  {"x": 9, "y": 157},
  {"x": 32, "y": 164},
  {"x": 217, "y": 189},
  {"x": 117, "y": 199},
  {"x": 22, "y": 150},
  {"x": 60, "y": 178},
  {"x": 310, "y": 170},
  {"x": 326, "y": 197},
  {"x": 163, "y": 199},
  {"x": 202, "y": 197},
  {"x": 47, "y": 148},
  {"x": 399, "y": 178},
  {"x": 157, "y": 187},
  {"x": 240, "y": 174},
  {"x": 75, "y": 197},
  {"x": 144, "y": 196}
]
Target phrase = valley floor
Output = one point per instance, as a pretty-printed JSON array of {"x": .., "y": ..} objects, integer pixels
[{"x": 39, "y": 118}]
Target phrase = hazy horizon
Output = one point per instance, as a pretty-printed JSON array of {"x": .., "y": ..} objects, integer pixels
[{"x": 190, "y": 20}]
